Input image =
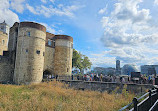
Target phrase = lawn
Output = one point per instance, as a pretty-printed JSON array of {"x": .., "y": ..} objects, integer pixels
[{"x": 56, "y": 96}]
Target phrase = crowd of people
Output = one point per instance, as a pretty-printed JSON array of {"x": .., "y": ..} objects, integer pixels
[
  {"x": 121, "y": 79},
  {"x": 95, "y": 77},
  {"x": 143, "y": 79}
]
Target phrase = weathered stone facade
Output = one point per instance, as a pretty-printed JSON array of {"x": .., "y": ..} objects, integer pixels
[
  {"x": 6, "y": 69},
  {"x": 63, "y": 57},
  {"x": 33, "y": 51}
]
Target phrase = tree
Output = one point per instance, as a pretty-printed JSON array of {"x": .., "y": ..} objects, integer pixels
[
  {"x": 76, "y": 59},
  {"x": 86, "y": 63},
  {"x": 80, "y": 61}
]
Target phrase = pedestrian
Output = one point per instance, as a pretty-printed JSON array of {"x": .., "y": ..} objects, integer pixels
[
  {"x": 123, "y": 80},
  {"x": 95, "y": 77},
  {"x": 78, "y": 77},
  {"x": 72, "y": 77},
  {"x": 56, "y": 77},
  {"x": 101, "y": 77}
]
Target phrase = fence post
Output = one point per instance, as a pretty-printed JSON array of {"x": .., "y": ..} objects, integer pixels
[
  {"x": 150, "y": 99},
  {"x": 135, "y": 102}
]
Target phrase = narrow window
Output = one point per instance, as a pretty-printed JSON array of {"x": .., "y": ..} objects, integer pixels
[
  {"x": 37, "y": 51},
  {"x": 49, "y": 42},
  {"x": 3, "y": 42},
  {"x": 28, "y": 34},
  {"x": 67, "y": 69},
  {"x": 43, "y": 53},
  {"x": 26, "y": 50},
  {"x": 53, "y": 43}
]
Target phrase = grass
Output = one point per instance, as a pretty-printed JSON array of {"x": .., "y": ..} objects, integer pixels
[{"x": 56, "y": 96}]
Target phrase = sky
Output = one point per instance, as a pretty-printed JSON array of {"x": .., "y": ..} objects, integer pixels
[{"x": 104, "y": 30}]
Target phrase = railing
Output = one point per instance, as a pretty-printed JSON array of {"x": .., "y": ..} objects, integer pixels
[{"x": 150, "y": 103}]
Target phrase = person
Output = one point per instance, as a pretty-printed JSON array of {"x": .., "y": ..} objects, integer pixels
[
  {"x": 95, "y": 77},
  {"x": 72, "y": 77},
  {"x": 85, "y": 77},
  {"x": 101, "y": 77},
  {"x": 78, "y": 77},
  {"x": 88, "y": 77},
  {"x": 50, "y": 76},
  {"x": 56, "y": 77},
  {"x": 123, "y": 80}
]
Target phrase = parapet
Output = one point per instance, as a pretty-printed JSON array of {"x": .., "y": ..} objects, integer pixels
[
  {"x": 65, "y": 37},
  {"x": 33, "y": 25}
]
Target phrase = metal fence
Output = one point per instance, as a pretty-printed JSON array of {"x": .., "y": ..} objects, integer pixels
[{"x": 147, "y": 102}]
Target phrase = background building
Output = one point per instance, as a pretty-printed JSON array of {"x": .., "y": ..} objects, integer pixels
[
  {"x": 105, "y": 71},
  {"x": 149, "y": 69},
  {"x": 118, "y": 69},
  {"x": 128, "y": 68}
]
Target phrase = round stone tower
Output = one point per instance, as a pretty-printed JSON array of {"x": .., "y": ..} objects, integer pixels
[
  {"x": 30, "y": 53},
  {"x": 63, "y": 55}
]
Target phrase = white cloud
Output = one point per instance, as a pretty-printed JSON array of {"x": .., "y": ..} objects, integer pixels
[
  {"x": 18, "y": 5},
  {"x": 50, "y": 11},
  {"x": 51, "y": 29},
  {"x": 129, "y": 33},
  {"x": 31, "y": 9},
  {"x": 52, "y": 1},
  {"x": 6, "y": 14},
  {"x": 102, "y": 60},
  {"x": 156, "y": 2},
  {"x": 44, "y": 1},
  {"x": 103, "y": 10}
]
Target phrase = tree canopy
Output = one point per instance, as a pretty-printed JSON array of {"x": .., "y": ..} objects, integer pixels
[{"x": 80, "y": 61}]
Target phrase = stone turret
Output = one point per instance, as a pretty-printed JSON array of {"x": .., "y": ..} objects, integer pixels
[
  {"x": 4, "y": 32},
  {"x": 4, "y": 27},
  {"x": 30, "y": 53},
  {"x": 3, "y": 42},
  {"x": 63, "y": 55}
]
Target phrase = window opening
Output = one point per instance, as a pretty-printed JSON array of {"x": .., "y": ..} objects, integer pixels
[{"x": 37, "y": 51}]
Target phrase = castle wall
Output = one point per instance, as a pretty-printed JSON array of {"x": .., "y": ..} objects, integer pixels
[
  {"x": 63, "y": 55},
  {"x": 13, "y": 34},
  {"x": 6, "y": 70},
  {"x": 3, "y": 42},
  {"x": 30, "y": 53},
  {"x": 49, "y": 59}
]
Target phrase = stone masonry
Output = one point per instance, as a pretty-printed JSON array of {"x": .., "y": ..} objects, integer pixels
[{"x": 34, "y": 53}]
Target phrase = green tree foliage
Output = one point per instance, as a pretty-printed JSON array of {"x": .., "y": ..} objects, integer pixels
[{"x": 80, "y": 61}]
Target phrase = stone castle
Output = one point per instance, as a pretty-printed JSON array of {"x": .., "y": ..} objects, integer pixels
[{"x": 31, "y": 53}]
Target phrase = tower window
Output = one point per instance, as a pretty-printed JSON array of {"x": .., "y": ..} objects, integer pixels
[
  {"x": 43, "y": 53},
  {"x": 72, "y": 45},
  {"x": 3, "y": 41},
  {"x": 67, "y": 69},
  {"x": 37, "y": 51},
  {"x": 49, "y": 42},
  {"x": 53, "y": 43},
  {"x": 2, "y": 28},
  {"x": 27, "y": 50},
  {"x": 28, "y": 34}
]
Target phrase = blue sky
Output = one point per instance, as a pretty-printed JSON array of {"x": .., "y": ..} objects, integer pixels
[{"x": 104, "y": 30}]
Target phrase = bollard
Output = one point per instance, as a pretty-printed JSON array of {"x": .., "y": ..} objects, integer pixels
[{"x": 135, "y": 102}]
